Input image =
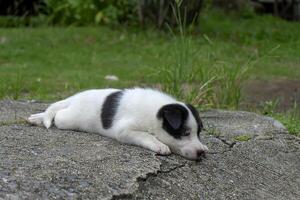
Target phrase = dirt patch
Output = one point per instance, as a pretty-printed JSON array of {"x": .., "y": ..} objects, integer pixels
[{"x": 256, "y": 93}]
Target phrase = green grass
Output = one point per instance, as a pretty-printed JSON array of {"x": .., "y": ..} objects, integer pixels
[
  {"x": 290, "y": 122},
  {"x": 49, "y": 63},
  {"x": 290, "y": 119},
  {"x": 275, "y": 42},
  {"x": 53, "y": 62}
]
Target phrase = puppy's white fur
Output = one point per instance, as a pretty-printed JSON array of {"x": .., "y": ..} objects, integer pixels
[{"x": 135, "y": 121}]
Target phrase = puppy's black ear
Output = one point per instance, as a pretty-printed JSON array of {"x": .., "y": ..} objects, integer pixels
[
  {"x": 174, "y": 118},
  {"x": 174, "y": 115}
]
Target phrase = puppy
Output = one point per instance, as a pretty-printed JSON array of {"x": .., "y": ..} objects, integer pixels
[{"x": 142, "y": 117}]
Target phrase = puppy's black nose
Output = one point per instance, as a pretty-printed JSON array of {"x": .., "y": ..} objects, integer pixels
[{"x": 200, "y": 153}]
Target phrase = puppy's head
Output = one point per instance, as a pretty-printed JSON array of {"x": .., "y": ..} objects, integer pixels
[{"x": 181, "y": 126}]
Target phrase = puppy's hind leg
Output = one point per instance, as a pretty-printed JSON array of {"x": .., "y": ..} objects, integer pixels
[
  {"x": 143, "y": 139},
  {"x": 67, "y": 119},
  {"x": 47, "y": 116}
]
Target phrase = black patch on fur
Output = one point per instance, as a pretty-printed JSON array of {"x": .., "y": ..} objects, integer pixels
[
  {"x": 173, "y": 117},
  {"x": 109, "y": 108},
  {"x": 197, "y": 118}
]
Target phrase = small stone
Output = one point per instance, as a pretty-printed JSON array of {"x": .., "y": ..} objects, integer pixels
[
  {"x": 111, "y": 78},
  {"x": 3, "y": 40}
]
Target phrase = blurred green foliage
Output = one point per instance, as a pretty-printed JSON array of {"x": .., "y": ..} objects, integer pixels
[
  {"x": 94, "y": 12},
  {"x": 83, "y": 12}
]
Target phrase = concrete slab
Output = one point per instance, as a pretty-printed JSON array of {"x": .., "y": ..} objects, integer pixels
[{"x": 36, "y": 163}]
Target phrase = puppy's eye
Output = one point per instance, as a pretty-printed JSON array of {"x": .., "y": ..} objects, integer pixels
[{"x": 186, "y": 133}]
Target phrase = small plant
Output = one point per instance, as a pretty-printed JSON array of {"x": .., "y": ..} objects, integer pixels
[
  {"x": 243, "y": 138},
  {"x": 230, "y": 85},
  {"x": 181, "y": 76},
  {"x": 214, "y": 85},
  {"x": 290, "y": 119},
  {"x": 269, "y": 107},
  {"x": 214, "y": 132},
  {"x": 161, "y": 12}
]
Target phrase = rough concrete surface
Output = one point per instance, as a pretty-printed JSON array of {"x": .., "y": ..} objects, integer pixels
[{"x": 36, "y": 163}]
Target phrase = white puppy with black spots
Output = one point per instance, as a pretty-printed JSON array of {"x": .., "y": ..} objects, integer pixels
[{"x": 144, "y": 117}]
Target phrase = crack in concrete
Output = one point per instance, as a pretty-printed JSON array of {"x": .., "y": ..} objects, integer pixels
[
  {"x": 229, "y": 144},
  {"x": 140, "y": 179},
  {"x": 232, "y": 145},
  {"x": 172, "y": 169},
  {"x": 121, "y": 196}
]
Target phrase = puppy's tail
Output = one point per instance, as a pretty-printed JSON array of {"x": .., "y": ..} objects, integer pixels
[{"x": 46, "y": 117}]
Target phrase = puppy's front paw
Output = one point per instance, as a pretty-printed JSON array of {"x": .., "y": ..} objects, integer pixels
[{"x": 163, "y": 149}]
